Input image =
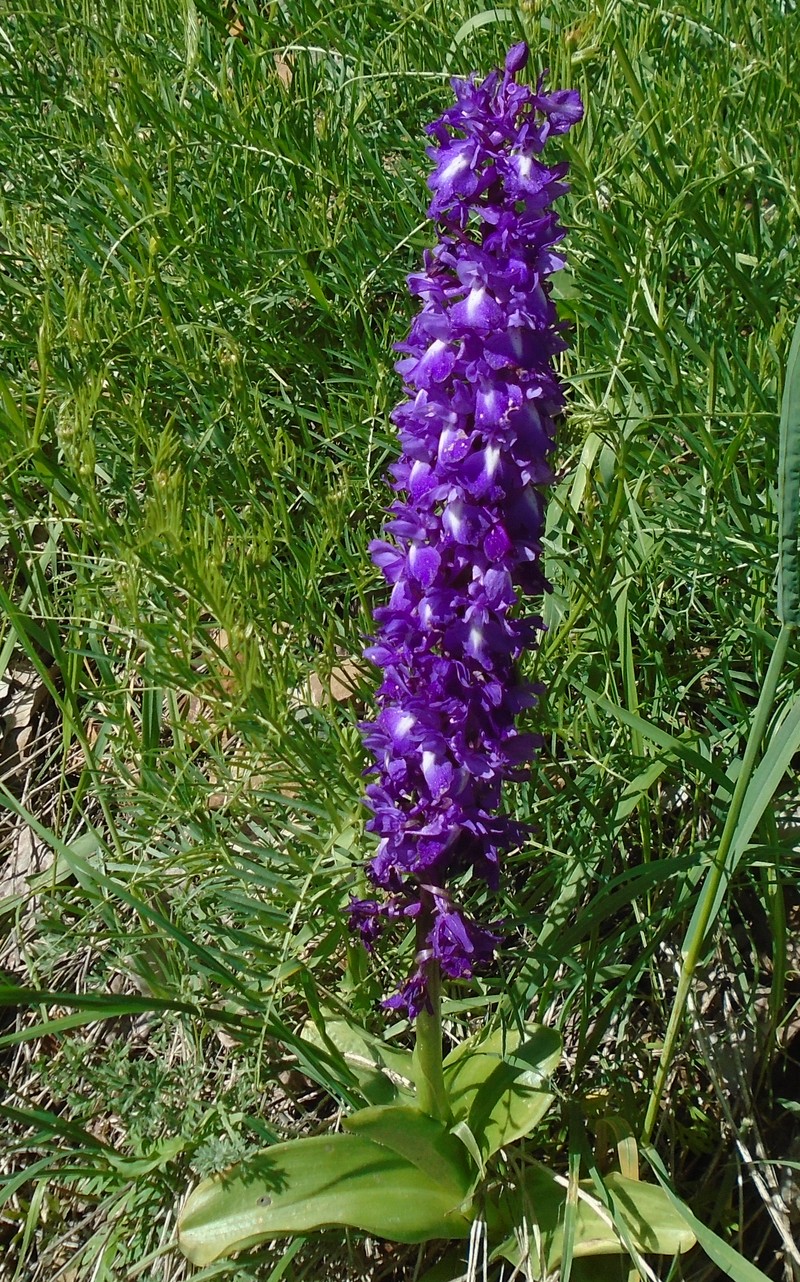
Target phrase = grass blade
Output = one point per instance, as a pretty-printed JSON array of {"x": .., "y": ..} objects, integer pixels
[{"x": 789, "y": 491}]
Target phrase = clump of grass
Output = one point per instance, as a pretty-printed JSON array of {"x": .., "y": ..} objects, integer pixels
[{"x": 205, "y": 220}]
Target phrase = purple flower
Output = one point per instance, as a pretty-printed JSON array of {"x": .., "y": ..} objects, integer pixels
[{"x": 464, "y": 533}]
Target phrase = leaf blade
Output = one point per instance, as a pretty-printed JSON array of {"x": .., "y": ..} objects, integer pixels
[
  {"x": 314, "y": 1183},
  {"x": 789, "y": 490}
]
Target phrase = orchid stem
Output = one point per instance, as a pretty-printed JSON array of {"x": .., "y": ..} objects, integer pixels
[{"x": 431, "y": 1090}]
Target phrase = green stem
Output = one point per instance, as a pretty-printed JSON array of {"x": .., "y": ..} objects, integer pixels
[
  {"x": 431, "y": 1091},
  {"x": 693, "y": 944}
]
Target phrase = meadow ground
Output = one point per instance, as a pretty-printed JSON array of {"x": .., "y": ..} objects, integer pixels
[{"x": 206, "y": 218}]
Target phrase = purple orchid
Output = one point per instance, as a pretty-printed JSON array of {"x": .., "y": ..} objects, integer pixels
[{"x": 464, "y": 534}]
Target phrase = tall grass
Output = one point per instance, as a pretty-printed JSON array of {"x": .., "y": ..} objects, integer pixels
[{"x": 206, "y": 217}]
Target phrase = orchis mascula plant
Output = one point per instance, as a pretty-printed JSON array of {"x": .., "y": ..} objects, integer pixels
[{"x": 475, "y": 433}]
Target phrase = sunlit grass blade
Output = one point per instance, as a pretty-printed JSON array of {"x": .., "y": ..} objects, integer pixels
[{"x": 789, "y": 491}]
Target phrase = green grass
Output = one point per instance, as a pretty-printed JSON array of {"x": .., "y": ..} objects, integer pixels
[{"x": 203, "y": 245}]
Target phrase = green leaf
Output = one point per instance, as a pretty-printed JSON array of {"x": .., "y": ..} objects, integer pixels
[
  {"x": 602, "y": 1268},
  {"x": 464, "y": 1134},
  {"x": 789, "y": 491},
  {"x": 763, "y": 785},
  {"x": 496, "y": 1087},
  {"x": 382, "y": 1072},
  {"x": 482, "y": 19},
  {"x": 732, "y": 1264},
  {"x": 646, "y": 1213},
  {"x": 162, "y": 1155},
  {"x": 311, "y": 1184},
  {"x": 678, "y": 749},
  {"x": 654, "y": 1223},
  {"x": 421, "y": 1140}
]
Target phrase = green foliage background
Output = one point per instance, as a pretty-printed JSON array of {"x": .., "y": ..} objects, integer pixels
[{"x": 206, "y": 218}]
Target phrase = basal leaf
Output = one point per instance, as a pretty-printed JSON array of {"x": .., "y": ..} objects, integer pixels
[
  {"x": 645, "y": 1211},
  {"x": 383, "y": 1072},
  {"x": 421, "y": 1140},
  {"x": 497, "y": 1088},
  {"x": 732, "y": 1264},
  {"x": 314, "y": 1183}
]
